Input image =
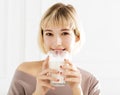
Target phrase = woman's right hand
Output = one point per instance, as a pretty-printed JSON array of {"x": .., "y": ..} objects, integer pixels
[{"x": 43, "y": 79}]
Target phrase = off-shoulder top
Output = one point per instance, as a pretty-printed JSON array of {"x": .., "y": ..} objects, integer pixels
[{"x": 25, "y": 84}]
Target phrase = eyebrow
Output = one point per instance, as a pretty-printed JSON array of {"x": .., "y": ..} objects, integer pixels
[
  {"x": 49, "y": 30},
  {"x": 65, "y": 29}
]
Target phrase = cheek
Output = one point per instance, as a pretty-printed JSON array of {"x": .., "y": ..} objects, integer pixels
[
  {"x": 69, "y": 42},
  {"x": 47, "y": 42}
]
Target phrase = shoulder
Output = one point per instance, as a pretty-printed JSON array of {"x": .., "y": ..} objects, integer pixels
[
  {"x": 89, "y": 82},
  {"x": 88, "y": 76},
  {"x": 85, "y": 73},
  {"x": 31, "y": 67}
]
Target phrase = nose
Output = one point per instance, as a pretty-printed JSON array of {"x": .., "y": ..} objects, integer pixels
[{"x": 58, "y": 40}]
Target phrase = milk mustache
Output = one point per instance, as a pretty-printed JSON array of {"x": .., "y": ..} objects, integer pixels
[{"x": 56, "y": 59}]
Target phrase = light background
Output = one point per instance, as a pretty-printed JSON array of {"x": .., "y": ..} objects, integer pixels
[{"x": 100, "y": 54}]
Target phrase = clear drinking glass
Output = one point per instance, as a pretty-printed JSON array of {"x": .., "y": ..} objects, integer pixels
[{"x": 56, "y": 59}]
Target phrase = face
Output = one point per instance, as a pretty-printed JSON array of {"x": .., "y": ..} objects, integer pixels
[{"x": 59, "y": 39}]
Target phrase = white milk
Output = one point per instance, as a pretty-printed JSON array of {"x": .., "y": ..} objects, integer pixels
[{"x": 56, "y": 59}]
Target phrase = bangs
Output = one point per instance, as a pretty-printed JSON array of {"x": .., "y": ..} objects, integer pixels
[{"x": 58, "y": 21}]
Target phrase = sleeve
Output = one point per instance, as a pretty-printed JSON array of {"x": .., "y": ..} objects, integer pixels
[
  {"x": 94, "y": 86},
  {"x": 16, "y": 88}
]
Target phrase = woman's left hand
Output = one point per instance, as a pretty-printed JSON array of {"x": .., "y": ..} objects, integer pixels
[{"x": 72, "y": 75}]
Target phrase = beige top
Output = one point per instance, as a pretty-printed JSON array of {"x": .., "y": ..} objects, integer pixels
[{"x": 24, "y": 84}]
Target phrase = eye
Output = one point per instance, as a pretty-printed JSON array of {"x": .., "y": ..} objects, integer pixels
[
  {"x": 65, "y": 33},
  {"x": 49, "y": 34}
]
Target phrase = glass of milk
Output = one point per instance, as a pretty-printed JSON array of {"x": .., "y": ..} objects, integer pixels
[{"x": 56, "y": 59}]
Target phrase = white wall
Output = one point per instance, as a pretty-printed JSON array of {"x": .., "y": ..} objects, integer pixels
[{"x": 101, "y": 52}]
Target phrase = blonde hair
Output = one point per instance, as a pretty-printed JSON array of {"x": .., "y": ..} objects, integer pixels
[{"x": 58, "y": 15}]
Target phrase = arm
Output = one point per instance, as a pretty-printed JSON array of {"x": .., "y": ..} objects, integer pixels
[
  {"x": 15, "y": 87},
  {"x": 94, "y": 86},
  {"x": 77, "y": 91},
  {"x": 73, "y": 77}
]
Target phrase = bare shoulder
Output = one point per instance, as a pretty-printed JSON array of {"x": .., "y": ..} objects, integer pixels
[{"x": 30, "y": 67}]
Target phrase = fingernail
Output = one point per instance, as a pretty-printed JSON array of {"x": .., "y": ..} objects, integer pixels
[
  {"x": 58, "y": 72},
  {"x": 57, "y": 80},
  {"x": 61, "y": 73},
  {"x": 61, "y": 66}
]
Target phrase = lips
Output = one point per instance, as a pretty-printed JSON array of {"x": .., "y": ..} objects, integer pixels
[{"x": 58, "y": 51}]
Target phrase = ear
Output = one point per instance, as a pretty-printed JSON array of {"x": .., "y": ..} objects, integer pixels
[{"x": 77, "y": 38}]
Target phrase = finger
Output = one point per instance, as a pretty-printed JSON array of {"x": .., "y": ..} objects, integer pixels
[
  {"x": 47, "y": 78},
  {"x": 47, "y": 85},
  {"x": 72, "y": 73},
  {"x": 45, "y": 72},
  {"x": 72, "y": 80},
  {"x": 68, "y": 62},
  {"x": 68, "y": 67},
  {"x": 45, "y": 63}
]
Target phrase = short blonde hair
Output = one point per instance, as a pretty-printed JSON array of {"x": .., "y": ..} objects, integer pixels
[{"x": 58, "y": 15}]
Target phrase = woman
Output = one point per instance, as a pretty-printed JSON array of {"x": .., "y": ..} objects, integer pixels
[{"x": 58, "y": 32}]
